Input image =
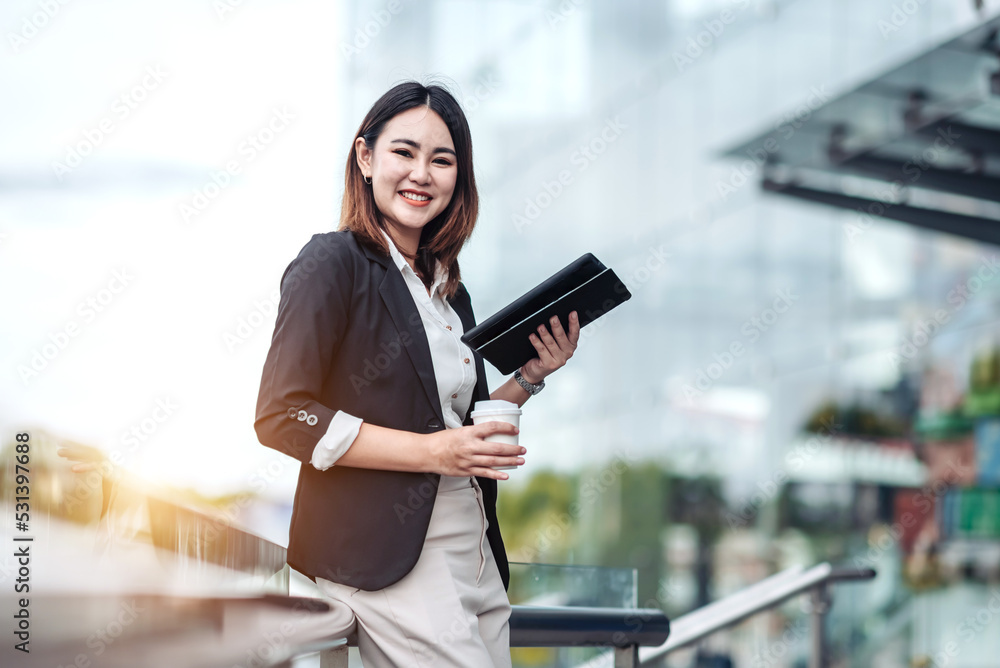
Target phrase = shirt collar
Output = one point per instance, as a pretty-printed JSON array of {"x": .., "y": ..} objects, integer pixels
[{"x": 440, "y": 274}]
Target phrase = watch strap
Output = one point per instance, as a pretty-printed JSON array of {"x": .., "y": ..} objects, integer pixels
[{"x": 530, "y": 388}]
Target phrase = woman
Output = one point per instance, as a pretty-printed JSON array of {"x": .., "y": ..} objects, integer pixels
[{"x": 368, "y": 384}]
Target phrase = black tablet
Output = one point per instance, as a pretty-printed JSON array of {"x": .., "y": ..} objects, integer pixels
[{"x": 585, "y": 286}]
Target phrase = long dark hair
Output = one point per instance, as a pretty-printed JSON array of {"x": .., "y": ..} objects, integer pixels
[{"x": 442, "y": 238}]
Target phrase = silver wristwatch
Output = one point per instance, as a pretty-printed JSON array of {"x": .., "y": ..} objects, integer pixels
[{"x": 530, "y": 388}]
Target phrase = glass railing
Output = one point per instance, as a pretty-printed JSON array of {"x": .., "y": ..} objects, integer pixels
[
  {"x": 555, "y": 584},
  {"x": 572, "y": 586}
]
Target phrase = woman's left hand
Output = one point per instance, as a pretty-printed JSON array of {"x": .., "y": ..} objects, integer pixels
[{"x": 554, "y": 348}]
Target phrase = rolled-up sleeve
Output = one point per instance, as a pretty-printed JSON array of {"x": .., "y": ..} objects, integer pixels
[
  {"x": 338, "y": 438},
  {"x": 312, "y": 318}
]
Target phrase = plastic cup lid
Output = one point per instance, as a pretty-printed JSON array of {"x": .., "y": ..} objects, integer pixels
[{"x": 495, "y": 407}]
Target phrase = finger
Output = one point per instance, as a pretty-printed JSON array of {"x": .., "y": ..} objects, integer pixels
[
  {"x": 547, "y": 339},
  {"x": 497, "y": 449},
  {"x": 559, "y": 334},
  {"x": 487, "y": 429},
  {"x": 493, "y": 462},
  {"x": 574, "y": 328},
  {"x": 550, "y": 345},
  {"x": 489, "y": 473},
  {"x": 558, "y": 355},
  {"x": 544, "y": 356}
]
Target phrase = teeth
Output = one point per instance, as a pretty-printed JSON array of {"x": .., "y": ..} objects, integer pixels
[{"x": 418, "y": 198}]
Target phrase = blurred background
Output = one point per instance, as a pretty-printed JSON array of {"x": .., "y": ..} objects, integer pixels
[{"x": 801, "y": 195}]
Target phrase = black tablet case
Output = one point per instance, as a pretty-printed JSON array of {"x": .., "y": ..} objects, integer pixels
[{"x": 585, "y": 286}]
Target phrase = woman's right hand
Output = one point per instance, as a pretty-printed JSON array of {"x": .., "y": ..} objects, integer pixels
[{"x": 463, "y": 451}]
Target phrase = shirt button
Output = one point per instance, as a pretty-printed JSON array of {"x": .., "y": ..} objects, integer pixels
[
  {"x": 466, "y": 360},
  {"x": 448, "y": 327},
  {"x": 454, "y": 396}
]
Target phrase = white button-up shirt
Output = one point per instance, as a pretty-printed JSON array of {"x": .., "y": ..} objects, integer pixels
[{"x": 454, "y": 368}]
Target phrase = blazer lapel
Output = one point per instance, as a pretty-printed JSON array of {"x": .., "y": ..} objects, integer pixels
[{"x": 403, "y": 310}]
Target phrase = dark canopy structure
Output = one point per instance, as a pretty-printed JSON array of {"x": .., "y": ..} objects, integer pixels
[{"x": 919, "y": 144}]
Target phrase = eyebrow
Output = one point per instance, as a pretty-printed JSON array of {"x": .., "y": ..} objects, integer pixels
[{"x": 416, "y": 145}]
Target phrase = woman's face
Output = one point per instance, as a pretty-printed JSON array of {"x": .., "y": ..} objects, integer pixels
[{"x": 413, "y": 169}]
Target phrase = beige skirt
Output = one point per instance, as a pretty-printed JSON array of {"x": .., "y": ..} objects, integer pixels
[{"x": 451, "y": 609}]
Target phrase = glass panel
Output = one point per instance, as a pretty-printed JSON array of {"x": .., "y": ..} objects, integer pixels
[{"x": 578, "y": 586}]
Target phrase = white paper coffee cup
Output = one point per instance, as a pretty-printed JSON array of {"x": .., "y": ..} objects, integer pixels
[{"x": 496, "y": 410}]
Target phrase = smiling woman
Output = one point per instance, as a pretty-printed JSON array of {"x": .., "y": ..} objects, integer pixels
[
  {"x": 369, "y": 385},
  {"x": 412, "y": 171},
  {"x": 412, "y": 167}
]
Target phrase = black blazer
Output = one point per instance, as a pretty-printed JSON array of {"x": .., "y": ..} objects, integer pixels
[{"x": 349, "y": 337}]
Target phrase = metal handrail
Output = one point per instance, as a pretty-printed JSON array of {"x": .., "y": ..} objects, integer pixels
[
  {"x": 623, "y": 629},
  {"x": 762, "y": 596},
  {"x": 567, "y": 626}
]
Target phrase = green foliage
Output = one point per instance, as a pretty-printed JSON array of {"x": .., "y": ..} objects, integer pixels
[
  {"x": 614, "y": 516},
  {"x": 536, "y": 519},
  {"x": 853, "y": 420}
]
